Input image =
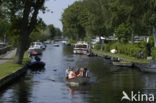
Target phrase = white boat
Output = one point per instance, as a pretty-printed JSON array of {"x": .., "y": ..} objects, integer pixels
[
  {"x": 36, "y": 46},
  {"x": 64, "y": 42},
  {"x": 81, "y": 48},
  {"x": 56, "y": 45}
]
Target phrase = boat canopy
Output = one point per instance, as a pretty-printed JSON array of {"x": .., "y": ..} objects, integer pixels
[{"x": 81, "y": 45}]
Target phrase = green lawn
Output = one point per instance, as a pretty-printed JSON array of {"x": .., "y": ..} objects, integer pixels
[
  {"x": 125, "y": 57},
  {"x": 8, "y": 67}
]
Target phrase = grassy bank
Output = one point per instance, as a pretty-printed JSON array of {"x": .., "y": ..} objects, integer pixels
[
  {"x": 8, "y": 67},
  {"x": 125, "y": 57}
]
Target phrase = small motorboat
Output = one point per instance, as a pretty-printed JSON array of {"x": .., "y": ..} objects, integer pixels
[
  {"x": 56, "y": 45},
  {"x": 123, "y": 64},
  {"x": 151, "y": 68},
  {"x": 78, "y": 80},
  {"x": 36, "y": 65},
  {"x": 32, "y": 52},
  {"x": 91, "y": 54},
  {"x": 67, "y": 44},
  {"x": 107, "y": 57}
]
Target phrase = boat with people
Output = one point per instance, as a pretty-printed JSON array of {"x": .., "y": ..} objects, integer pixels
[
  {"x": 151, "y": 68},
  {"x": 37, "y": 64},
  {"x": 78, "y": 81},
  {"x": 78, "y": 77},
  {"x": 81, "y": 48}
]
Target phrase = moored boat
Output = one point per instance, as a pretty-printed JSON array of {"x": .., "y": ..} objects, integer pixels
[
  {"x": 36, "y": 65},
  {"x": 36, "y": 48},
  {"x": 67, "y": 44},
  {"x": 149, "y": 68},
  {"x": 81, "y": 48},
  {"x": 123, "y": 64},
  {"x": 56, "y": 45}
]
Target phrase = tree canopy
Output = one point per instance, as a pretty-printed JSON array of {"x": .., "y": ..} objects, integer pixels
[{"x": 107, "y": 17}]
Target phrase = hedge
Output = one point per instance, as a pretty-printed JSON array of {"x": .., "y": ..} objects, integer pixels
[{"x": 128, "y": 49}]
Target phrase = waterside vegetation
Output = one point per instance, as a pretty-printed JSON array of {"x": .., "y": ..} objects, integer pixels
[{"x": 9, "y": 67}]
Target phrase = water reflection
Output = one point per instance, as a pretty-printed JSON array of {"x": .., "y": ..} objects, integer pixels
[{"x": 18, "y": 93}]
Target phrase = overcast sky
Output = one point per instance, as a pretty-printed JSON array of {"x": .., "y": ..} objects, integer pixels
[{"x": 57, "y": 6}]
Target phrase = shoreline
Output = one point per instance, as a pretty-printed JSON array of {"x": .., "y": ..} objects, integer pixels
[
  {"x": 136, "y": 62},
  {"x": 10, "y": 72},
  {"x": 9, "y": 79}
]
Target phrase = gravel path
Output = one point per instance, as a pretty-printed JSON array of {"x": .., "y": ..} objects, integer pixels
[{"x": 6, "y": 57}]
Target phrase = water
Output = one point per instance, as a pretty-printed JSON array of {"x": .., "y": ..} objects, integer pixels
[{"x": 48, "y": 86}]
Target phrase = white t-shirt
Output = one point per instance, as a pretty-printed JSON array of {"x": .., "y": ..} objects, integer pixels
[{"x": 70, "y": 75}]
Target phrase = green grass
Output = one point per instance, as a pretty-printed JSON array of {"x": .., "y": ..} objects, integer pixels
[
  {"x": 9, "y": 67},
  {"x": 125, "y": 57}
]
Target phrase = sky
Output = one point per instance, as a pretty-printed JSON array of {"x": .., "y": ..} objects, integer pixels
[{"x": 57, "y": 7}]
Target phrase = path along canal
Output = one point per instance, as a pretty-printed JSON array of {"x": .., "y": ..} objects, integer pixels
[{"x": 48, "y": 86}]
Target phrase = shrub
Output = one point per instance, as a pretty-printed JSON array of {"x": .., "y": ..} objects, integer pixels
[
  {"x": 154, "y": 54},
  {"x": 127, "y": 49},
  {"x": 97, "y": 46}
]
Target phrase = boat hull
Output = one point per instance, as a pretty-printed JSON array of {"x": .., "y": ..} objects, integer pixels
[
  {"x": 149, "y": 70},
  {"x": 123, "y": 64},
  {"x": 36, "y": 65},
  {"x": 79, "y": 80}
]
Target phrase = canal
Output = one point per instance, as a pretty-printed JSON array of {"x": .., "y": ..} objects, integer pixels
[{"x": 106, "y": 81}]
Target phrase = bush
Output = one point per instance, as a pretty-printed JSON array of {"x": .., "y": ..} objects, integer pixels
[
  {"x": 127, "y": 49},
  {"x": 154, "y": 54},
  {"x": 72, "y": 41},
  {"x": 97, "y": 46}
]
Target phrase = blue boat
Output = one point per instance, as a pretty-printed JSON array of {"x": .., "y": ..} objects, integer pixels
[
  {"x": 36, "y": 64},
  {"x": 67, "y": 44}
]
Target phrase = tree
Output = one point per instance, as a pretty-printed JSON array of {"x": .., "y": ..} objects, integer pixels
[
  {"x": 3, "y": 21},
  {"x": 23, "y": 17},
  {"x": 152, "y": 17},
  {"x": 123, "y": 32},
  {"x": 96, "y": 19},
  {"x": 52, "y": 31},
  {"x": 73, "y": 21}
]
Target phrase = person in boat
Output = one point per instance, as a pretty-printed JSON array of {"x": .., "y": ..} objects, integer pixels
[
  {"x": 85, "y": 72},
  {"x": 72, "y": 74},
  {"x": 37, "y": 59},
  {"x": 78, "y": 73},
  {"x": 67, "y": 71}
]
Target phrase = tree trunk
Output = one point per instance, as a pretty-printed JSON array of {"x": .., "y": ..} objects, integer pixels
[
  {"x": 154, "y": 35},
  {"x": 21, "y": 49},
  {"x": 100, "y": 39},
  {"x": 132, "y": 37},
  {"x": 28, "y": 24}
]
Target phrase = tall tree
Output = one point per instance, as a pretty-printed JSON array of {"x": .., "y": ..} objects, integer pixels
[
  {"x": 73, "y": 21},
  {"x": 152, "y": 18},
  {"x": 96, "y": 17},
  {"x": 23, "y": 17}
]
